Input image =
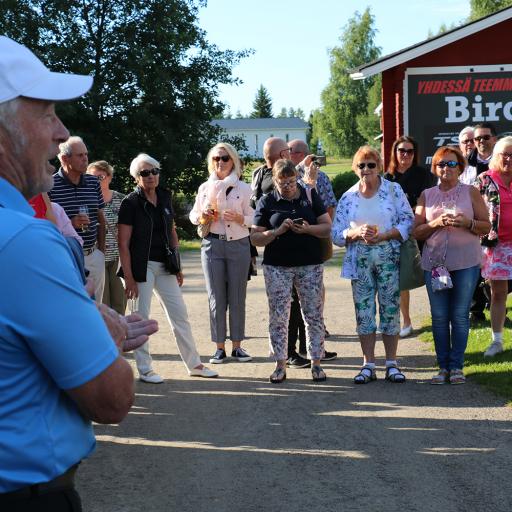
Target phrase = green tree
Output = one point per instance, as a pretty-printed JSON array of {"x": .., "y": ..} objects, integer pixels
[
  {"x": 156, "y": 77},
  {"x": 344, "y": 99},
  {"x": 282, "y": 113},
  {"x": 239, "y": 114},
  {"x": 368, "y": 124},
  {"x": 481, "y": 8},
  {"x": 262, "y": 105},
  {"x": 300, "y": 114},
  {"x": 291, "y": 112}
]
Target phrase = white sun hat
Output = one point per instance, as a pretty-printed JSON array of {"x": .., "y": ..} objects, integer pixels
[{"x": 23, "y": 74}]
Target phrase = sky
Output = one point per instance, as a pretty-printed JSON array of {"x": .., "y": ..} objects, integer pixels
[{"x": 291, "y": 40}]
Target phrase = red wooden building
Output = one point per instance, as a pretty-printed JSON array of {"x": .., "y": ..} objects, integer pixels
[{"x": 433, "y": 89}]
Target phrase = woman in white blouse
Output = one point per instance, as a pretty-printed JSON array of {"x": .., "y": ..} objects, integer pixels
[
  {"x": 372, "y": 219},
  {"x": 223, "y": 203}
]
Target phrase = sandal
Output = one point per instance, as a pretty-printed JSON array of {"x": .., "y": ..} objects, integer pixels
[
  {"x": 278, "y": 375},
  {"x": 440, "y": 378},
  {"x": 318, "y": 373},
  {"x": 457, "y": 377},
  {"x": 396, "y": 377},
  {"x": 365, "y": 375}
]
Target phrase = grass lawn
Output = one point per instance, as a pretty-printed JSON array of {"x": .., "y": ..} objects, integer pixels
[
  {"x": 494, "y": 373},
  {"x": 190, "y": 245}
]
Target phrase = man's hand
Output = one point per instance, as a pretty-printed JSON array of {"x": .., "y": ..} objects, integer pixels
[
  {"x": 80, "y": 221},
  {"x": 139, "y": 331},
  {"x": 116, "y": 325},
  {"x": 179, "y": 277}
]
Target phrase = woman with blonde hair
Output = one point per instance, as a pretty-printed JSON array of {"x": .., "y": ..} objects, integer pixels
[
  {"x": 223, "y": 204},
  {"x": 113, "y": 293},
  {"x": 495, "y": 187}
]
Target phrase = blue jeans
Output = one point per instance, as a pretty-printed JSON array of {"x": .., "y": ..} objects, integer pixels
[{"x": 450, "y": 308}]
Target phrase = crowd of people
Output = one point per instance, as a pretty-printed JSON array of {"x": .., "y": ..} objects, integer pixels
[{"x": 114, "y": 251}]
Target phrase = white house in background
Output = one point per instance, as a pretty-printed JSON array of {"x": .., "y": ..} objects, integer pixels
[{"x": 256, "y": 131}]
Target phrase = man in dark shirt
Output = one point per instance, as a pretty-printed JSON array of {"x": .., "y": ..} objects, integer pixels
[{"x": 80, "y": 196}]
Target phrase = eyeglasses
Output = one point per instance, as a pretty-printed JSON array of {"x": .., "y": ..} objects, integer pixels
[
  {"x": 506, "y": 156},
  {"x": 287, "y": 150},
  {"x": 224, "y": 158},
  {"x": 370, "y": 165},
  {"x": 100, "y": 177},
  {"x": 286, "y": 184},
  {"x": 451, "y": 164},
  {"x": 404, "y": 151},
  {"x": 480, "y": 138},
  {"x": 147, "y": 172},
  {"x": 467, "y": 141}
]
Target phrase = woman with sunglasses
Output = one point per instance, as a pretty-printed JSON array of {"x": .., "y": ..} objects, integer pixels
[
  {"x": 289, "y": 222},
  {"x": 414, "y": 179},
  {"x": 147, "y": 239},
  {"x": 372, "y": 219},
  {"x": 113, "y": 293},
  {"x": 224, "y": 202},
  {"x": 495, "y": 187},
  {"x": 450, "y": 217}
]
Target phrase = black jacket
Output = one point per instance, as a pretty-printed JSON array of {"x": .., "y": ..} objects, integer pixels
[
  {"x": 473, "y": 162},
  {"x": 134, "y": 207}
]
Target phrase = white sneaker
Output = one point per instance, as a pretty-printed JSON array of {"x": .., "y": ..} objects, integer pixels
[
  {"x": 406, "y": 331},
  {"x": 494, "y": 348},
  {"x": 151, "y": 377},
  {"x": 203, "y": 372}
]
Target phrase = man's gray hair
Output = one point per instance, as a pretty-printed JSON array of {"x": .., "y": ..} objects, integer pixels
[
  {"x": 464, "y": 130},
  {"x": 65, "y": 147},
  {"x": 142, "y": 158},
  {"x": 9, "y": 121}
]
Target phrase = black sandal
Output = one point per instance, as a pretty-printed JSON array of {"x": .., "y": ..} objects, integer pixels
[
  {"x": 363, "y": 378},
  {"x": 278, "y": 375},
  {"x": 396, "y": 377},
  {"x": 318, "y": 373}
]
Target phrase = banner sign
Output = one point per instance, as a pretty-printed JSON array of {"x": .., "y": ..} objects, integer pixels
[{"x": 438, "y": 106}]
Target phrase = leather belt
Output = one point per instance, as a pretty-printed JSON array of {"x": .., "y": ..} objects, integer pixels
[
  {"x": 89, "y": 251},
  {"x": 64, "y": 481},
  {"x": 216, "y": 235}
]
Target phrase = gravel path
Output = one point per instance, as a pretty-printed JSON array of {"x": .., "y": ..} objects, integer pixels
[{"x": 240, "y": 443}]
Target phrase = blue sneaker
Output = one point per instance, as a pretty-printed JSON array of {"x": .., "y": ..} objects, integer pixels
[{"x": 218, "y": 357}]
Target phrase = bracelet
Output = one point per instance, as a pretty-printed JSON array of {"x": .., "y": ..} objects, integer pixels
[{"x": 472, "y": 226}]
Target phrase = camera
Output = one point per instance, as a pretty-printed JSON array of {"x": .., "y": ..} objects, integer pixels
[{"x": 299, "y": 221}]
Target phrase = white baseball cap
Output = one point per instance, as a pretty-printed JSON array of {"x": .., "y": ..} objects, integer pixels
[{"x": 23, "y": 74}]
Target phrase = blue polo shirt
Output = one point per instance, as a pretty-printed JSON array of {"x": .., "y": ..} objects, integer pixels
[
  {"x": 71, "y": 196},
  {"x": 52, "y": 338}
]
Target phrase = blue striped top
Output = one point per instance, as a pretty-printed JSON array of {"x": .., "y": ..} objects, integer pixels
[{"x": 71, "y": 196}]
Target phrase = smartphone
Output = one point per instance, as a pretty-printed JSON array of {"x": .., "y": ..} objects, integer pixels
[{"x": 300, "y": 221}]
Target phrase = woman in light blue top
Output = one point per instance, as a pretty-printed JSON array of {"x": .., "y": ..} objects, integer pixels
[{"x": 372, "y": 219}]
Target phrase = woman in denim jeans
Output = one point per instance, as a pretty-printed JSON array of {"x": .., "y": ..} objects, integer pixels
[{"x": 450, "y": 217}]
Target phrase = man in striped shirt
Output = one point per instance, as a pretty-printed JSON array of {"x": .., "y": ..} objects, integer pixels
[{"x": 80, "y": 196}]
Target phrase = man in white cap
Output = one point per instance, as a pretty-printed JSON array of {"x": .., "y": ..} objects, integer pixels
[{"x": 60, "y": 368}]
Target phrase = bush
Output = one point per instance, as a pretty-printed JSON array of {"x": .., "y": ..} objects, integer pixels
[
  {"x": 342, "y": 182},
  {"x": 182, "y": 206}
]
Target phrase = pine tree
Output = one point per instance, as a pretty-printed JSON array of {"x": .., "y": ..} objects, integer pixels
[{"x": 262, "y": 104}]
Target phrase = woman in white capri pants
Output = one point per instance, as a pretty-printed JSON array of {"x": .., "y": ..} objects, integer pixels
[{"x": 147, "y": 238}]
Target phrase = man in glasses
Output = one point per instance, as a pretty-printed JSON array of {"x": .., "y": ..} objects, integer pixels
[
  {"x": 80, "y": 196},
  {"x": 467, "y": 145},
  {"x": 478, "y": 162},
  {"x": 274, "y": 149}
]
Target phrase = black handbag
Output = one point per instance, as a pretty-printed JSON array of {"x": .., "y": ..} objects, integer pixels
[{"x": 172, "y": 261}]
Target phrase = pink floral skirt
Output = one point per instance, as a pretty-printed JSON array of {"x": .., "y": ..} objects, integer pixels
[{"x": 497, "y": 262}]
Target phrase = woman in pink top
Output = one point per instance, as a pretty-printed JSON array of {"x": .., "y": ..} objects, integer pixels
[
  {"x": 495, "y": 186},
  {"x": 450, "y": 217},
  {"x": 223, "y": 202}
]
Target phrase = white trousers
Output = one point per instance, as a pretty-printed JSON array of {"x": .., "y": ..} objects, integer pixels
[
  {"x": 166, "y": 289},
  {"x": 95, "y": 264}
]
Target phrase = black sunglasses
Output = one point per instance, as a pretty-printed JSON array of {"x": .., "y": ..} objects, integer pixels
[
  {"x": 224, "y": 158},
  {"x": 451, "y": 164},
  {"x": 405, "y": 151},
  {"x": 482, "y": 137},
  {"x": 147, "y": 172},
  {"x": 370, "y": 165}
]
